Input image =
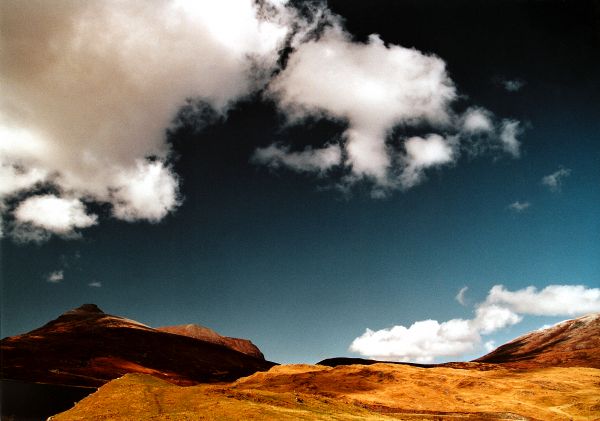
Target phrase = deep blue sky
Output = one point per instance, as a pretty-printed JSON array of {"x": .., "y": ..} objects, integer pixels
[{"x": 302, "y": 269}]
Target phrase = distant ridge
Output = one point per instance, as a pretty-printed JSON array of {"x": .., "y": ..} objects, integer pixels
[
  {"x": 87, "y": 347},
  {"x": 339, "y": 361},
  {"x": 203, "y": 333}
]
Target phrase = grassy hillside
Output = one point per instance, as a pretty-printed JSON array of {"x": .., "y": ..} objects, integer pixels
[{"x": 376, "y": 392}]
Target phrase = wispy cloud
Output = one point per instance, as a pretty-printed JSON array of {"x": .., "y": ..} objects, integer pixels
[
  {"x": 426, "y": 340},
  {"x": 460, "y": 297},
  {"x": 489, "y": 345},
  {"x": 95, "y": 284},
  {"x": 509, "y": 133},
  {"x": 315, "y": 160},
  {"x": 555, "y": 180},
  {"x": 514, "y": 85},
  {"x": 55, "y": 277},
  {"x": 519, "y": 207}
]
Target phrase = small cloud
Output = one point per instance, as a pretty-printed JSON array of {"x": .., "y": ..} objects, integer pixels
[
  {"x": 519, "y": 207},
  {"x": 95, "y": 284},
  {"x": 509, "y": 131},
  {"x": 513, "y": 85},
  {"x": 316, "y": 160},
  {"x": 39, "y": 216},
  {"x": 477, "y": 120},
  {"x": 460, "y": 297},
  {"x": 422, "y": 153},
  {"x": 55, "y": 277},
  {"x": 554, "y": 181}
]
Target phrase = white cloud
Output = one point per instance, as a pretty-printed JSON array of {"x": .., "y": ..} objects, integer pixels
[
  {"x": 52, "y": 214},
  {"x": 422, "y": 153},
  {"x": 90, "y": 87},
  {"x": 553, "y": 300},
  {"x": 317, "y": 160},
  {"x": 15, "y": 178},
  {"x": 479, "y": 132},
  {"x": 508, "y": 137},
  {"x": 55, "y": 277},
  {"x": 371, "y": 86},
  {"x": 150, "y": 191},
  {"x": 490, "y": 318},
  {"x": 375, "y": 88},
  {"x": 519, "y": 207},
  {"x": 95, "y": 284},
  {"x": 421, "y": 342},
  {"x": 554, "y": 181},
  {"x": 477, "y": 120},
  {"x": 460, "y": 296},
  {"x": 426, "y": 340}
]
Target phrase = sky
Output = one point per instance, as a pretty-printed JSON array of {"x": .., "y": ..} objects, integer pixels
[{"x": 401, "y": 180}]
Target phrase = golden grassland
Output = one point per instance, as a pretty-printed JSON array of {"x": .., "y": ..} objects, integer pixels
[{"x": 355, "y": 392}]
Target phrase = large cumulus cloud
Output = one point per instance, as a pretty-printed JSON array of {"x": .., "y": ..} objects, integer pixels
[{"x": 89, "y": 88}]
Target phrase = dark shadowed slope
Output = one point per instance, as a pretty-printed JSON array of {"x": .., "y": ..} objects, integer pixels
[
  {"x": 200, "y": 332},
  {"x": 86, "y": 347},
  {"x": 337, "y": 361},
  {"x": 572, "y": 343}
]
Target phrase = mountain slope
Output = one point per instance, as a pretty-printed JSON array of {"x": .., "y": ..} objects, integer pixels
[
  {"x": 86, "y": 347},
  {"x": 203, "y": 333},
  {"x": 572, "y": 343}
]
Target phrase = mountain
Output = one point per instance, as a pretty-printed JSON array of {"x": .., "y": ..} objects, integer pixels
[
  {"x": 200, "y": 332},
  {"x": 87, "y": 347},
  {"x": 572, "y": 343}
]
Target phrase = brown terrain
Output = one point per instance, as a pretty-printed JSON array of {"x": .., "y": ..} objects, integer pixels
[
  {"x": 572, "y": 343},
  {"x": 86, "y": 347},
  {"x": 203, "y": 333},
  {"x": 355, "y": 392},
  {"x": 550, "y": 374}
]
